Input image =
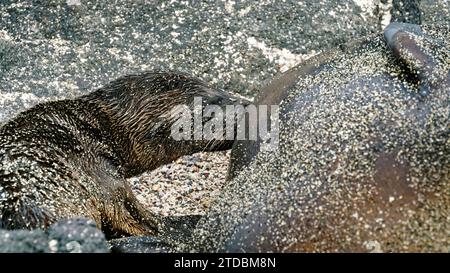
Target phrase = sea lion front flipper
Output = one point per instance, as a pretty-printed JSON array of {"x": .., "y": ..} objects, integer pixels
[
  {"x": 422, "y": 55},
  {"x": 123, "y": 216},
  {"x": 157, "y": 225}
]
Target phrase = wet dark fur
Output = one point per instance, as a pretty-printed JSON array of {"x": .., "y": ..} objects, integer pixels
[{"x": 71, "y": 158}]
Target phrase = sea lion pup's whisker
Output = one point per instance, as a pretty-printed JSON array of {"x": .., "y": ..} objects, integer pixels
[
  {"x": 208, "y": 145},
  {"x": 71, "y": 158}
]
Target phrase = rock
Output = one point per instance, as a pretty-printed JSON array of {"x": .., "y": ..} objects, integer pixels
[
  {"x": 78, "y": 235},
  {"x": 23, "y": 241}
]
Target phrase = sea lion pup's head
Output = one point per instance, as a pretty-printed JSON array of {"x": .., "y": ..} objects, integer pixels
[{"x": 157, "y": 117}]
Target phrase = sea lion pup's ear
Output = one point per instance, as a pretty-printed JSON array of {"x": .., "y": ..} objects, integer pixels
[{"x": 423, "y": 55}]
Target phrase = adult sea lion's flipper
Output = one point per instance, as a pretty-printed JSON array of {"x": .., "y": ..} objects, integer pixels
[{"x": 417, "y": 51}]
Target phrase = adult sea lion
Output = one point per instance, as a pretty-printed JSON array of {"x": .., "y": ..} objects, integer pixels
[
  {"x": 363, "y": 159},
  {"x": 70, "y": 158}
]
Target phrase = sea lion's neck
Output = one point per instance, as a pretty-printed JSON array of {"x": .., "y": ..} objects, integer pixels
[{"x": 139, "y": 120}]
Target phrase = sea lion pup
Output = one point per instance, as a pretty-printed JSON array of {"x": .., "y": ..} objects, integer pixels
[
  {"x": 363, "y": 159},
  {"x": 70, "y": 158}
]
